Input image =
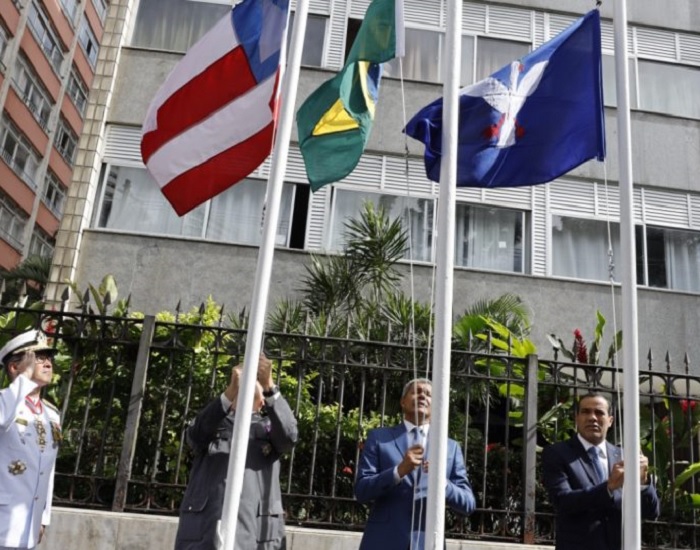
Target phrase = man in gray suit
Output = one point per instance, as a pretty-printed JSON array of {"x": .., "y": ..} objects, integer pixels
[{"x": 273, "y": 431}]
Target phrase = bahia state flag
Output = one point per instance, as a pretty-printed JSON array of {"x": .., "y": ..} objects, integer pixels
[
  {"x": 335, "y": 121},
  {"x": 211, "y": 123},
  {"x": 529, "y": 122}
]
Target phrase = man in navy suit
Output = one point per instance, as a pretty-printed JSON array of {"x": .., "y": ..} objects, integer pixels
[
  {"x": 584, "y": 476},
  {"x": 393, "y": 476}
]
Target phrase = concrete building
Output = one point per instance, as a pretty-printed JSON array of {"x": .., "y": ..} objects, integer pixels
[
  {"x": 48, "y": 54},
  {"x": 546, "y": 243}
]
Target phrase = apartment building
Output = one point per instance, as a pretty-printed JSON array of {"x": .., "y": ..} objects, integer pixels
[
  {"x": 48, "y": 53},
  {"x": 547, "y": 243}
]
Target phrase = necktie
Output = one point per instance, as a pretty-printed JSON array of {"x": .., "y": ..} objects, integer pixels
[{"x": 597, "y": 466}]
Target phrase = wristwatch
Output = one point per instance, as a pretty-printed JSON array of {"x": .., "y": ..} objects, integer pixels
[{"x": 272, "y": 391}]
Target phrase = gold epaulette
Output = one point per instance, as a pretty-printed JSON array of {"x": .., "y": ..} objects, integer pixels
[{"x": 51, "y": 406}]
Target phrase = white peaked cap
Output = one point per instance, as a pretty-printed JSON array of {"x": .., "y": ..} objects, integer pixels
[{"x": 32, "y": 340}]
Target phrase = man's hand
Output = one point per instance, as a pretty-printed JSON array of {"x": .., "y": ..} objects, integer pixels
[
  {"x": 265, "y": 372},
  {"x": 41, "y": 533},
  {"x": 27, "y": 364},
  {"x": 411, "y": 460},
  {"x": 617, "y": 476},
  {"x": 643, "y": 469},
  {"x": 231, "y": 390}
]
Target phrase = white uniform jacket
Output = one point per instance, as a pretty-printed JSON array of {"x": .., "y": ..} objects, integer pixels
[{"x": 28, "y": 447}]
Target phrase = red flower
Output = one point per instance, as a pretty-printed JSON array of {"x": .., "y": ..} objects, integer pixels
[
  {"x": 347, "y": 470},
  {"x": 580, "y": 349},
  {"x": 685, "y": 403},
  {"x": 491, "y": 446}
]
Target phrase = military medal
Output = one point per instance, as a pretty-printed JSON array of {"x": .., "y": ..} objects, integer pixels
[
  {"x": 17, "y": 467},
  {"x": 37, "y": 408}
]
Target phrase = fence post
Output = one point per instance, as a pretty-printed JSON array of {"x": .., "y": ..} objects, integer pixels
[
  {"x": 138, "y": 388},
  {"x": 530, "y": 450}
]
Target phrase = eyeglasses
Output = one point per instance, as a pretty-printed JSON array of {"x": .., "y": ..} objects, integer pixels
[{"x": 43, "y": 356}]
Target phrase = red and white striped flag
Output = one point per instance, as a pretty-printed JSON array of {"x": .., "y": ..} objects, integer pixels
[{"x": 211, "y": 123}]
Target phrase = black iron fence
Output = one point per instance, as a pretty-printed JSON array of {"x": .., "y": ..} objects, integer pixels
[{"x": 127, "y": 387}]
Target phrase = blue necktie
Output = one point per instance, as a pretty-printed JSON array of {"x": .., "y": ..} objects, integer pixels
[{"x": 597, "y": 466}]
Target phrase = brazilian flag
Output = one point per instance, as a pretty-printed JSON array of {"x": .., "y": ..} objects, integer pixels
[{"x": 335, "y": 121}]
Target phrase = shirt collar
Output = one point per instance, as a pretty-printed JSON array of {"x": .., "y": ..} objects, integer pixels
[{"x": 602, "y": 448}]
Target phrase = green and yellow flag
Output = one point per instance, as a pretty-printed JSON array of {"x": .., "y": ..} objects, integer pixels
[{"x": 335, "y": 121}]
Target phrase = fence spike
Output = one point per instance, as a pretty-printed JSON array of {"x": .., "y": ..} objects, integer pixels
[
  {"x": 107, "y": 300},
  {"x": 23, "y": 289},
  {"x": 686, "y": 362},
  {"x": 668, "y": 361},
  {"x": 3, "y": 288},
  {"x": 650, "y": 360},
  {"x": 221, "y": 314},
  {"x": 201, "y": 309},
  {"x": 86, "y": 300}
]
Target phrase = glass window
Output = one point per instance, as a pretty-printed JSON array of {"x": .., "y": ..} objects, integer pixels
[
  {"x": 44, "y": 34},
  {"x": 422, "y": 50},
  {"x": 12, "y": 221},
  {"x": 77, "y": 90},
  {"x": 580, "y": 247},
  {"x": 66, "y": 141},
  {"x": 657, "y": 94},
  {"x": 673, "y": 258},
  {"x": 101, "y": 7},
  {"x": 489, "y": 238},
  {"x": 177, "y": 27},
  {"x": 32, "y": 92},
  {"x": 132, "y": 201},
  {"x": 493, "y": 54},
  {"x": 236, "y": 215},
  {"x": 88, "y": 41},
  {"x": 610, "y": 84},
  {"x": 41, "y": 244},
  {"x": 17, "y": 152},
  {"x": 70, "y": 7},
  {"x": 4, "y": 39},
  {"x": 54, "y": 194},
  {"x": 416, "y": 213},
  {"x": 312, "y": 53}
]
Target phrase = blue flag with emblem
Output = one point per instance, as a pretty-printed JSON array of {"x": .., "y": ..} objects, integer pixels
[{"x": 529, "y": 122}]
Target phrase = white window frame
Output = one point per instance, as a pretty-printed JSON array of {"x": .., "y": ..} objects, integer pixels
[
  {"x": 12, "y": 222},
  {"x": 70, "y": 9},
  {"x": 30, "y": 89},
  {"x": 4, "y": 41},
  {"x": 21, "y": 145},
  {"x": 54, "y": 194},
  {"x": 101, "y": 7},
  {"x": 45, "y": 35},
  {"x": 88, "y": 42},
  {"x": 41, "y": 244},
  {"x": 66, "y": 141},
  {"x": 77, "y": 90}
]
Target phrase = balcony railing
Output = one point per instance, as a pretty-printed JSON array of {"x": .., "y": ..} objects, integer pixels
[{"x": 17, "y": 169}]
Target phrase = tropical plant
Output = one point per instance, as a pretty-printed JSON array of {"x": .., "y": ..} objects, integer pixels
[
  {"x": 579, "y": 352},
  {"x": 507, "y": 311},
  {"x": 27, "y": 279}
]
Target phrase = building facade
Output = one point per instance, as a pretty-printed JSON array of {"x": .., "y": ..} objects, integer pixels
[
  {"x": 48, "y": 55},
  {"x": 547, "y": 243}
]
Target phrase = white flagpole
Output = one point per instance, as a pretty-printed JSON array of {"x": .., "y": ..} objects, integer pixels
[
  {"x": 631, "y": 498},
  {"x": 437, "y": 454},
  {"x": 261, "y": 285}
]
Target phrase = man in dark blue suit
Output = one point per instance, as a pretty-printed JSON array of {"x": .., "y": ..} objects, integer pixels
[
  {"x": 393, "y": 476},
  {"x": 584, "y": 476}
]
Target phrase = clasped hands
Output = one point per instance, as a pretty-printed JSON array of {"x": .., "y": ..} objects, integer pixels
[
  {"x": 617, "y": 474},
  {"x": 264, "y": 378}
]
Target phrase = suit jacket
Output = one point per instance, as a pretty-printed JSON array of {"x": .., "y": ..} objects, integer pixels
[
  {"x": 396, "y": 507},
  {"x": 260, "y": 514},
  {"x": 586, "y": 515},
  {"x": 28, "y": 448}
]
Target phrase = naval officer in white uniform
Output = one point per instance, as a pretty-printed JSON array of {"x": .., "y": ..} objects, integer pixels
[{"x": 30, "y": 433}]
